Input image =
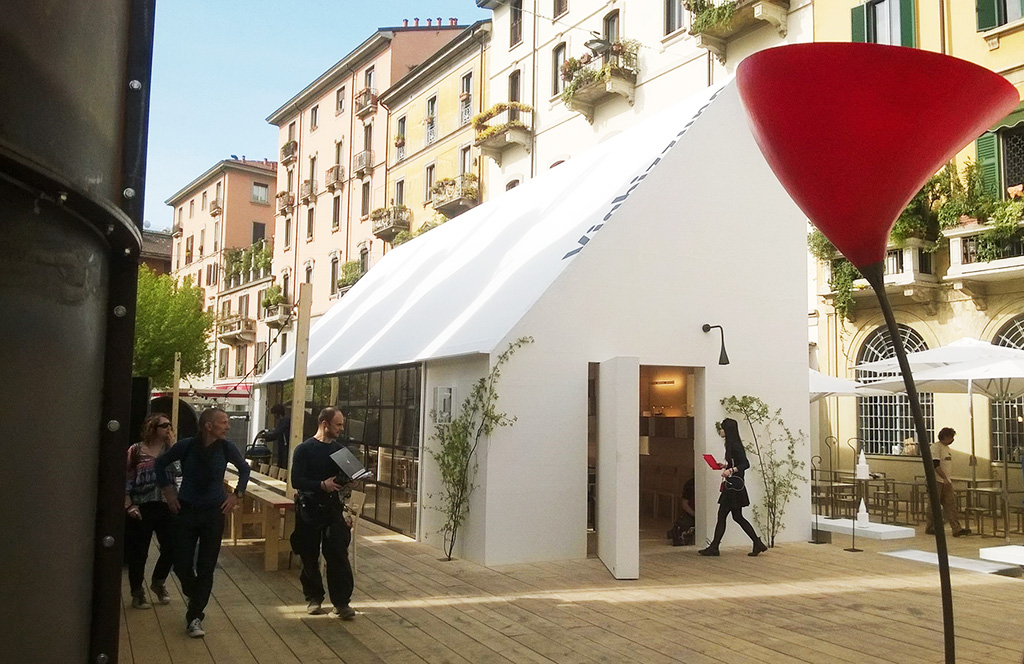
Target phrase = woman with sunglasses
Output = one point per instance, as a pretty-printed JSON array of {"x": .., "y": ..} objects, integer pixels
[{"x": 147, "y": 511}]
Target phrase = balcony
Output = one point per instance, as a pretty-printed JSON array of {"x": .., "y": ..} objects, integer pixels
[
  {"x": 307, "y": 191},
  {"x": 975, "y": 263},
  {"x": 335, "y": 177},
  {"x": 285, "y": 199},
  {"x": 390, "y": 221},
  {"x": 176, "y": 230},
  {"x": 511, "y": 127},
  {"x": 289, "y": 151},
  {"x": 453, "y": 196},
  {"x": 364, "y": 164},
  {"x": 715, "y": 26},
  {"x": 909, "y": 277},
  {"x": 366, "y": 102},
  {"x": 216, "y": 207},
  {"x": 615, "y": 82},
  {"x": 278, "y": 315},
  {"x": 236, "y": 330}
]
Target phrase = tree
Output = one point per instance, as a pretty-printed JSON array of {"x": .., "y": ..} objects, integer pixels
[{"x": 170, "y": 319}]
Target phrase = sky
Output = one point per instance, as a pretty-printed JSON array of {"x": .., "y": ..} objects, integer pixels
[{"x": 221, "y": 67}]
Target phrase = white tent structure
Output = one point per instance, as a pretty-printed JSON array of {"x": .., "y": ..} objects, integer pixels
[{"x": 610, "y": 261}]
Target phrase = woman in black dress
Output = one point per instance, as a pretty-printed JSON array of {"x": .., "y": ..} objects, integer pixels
[{"x": 734, "y": 491}]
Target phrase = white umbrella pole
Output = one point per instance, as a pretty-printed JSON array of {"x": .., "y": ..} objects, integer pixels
[{"x": 970, "y": 411}]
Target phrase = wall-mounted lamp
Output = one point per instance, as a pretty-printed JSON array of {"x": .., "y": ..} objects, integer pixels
[
  {"x": 663, "y": 382},
  {"x": 598, "y": 45},
  {"x": 722, "y": 358}
]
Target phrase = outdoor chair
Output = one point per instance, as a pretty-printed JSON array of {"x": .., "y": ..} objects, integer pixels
[
  {"x": 355, "y": 507},
  {"x": 282, "y": 474}
]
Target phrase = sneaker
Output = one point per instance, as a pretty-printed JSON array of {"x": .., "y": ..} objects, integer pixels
[
  {"x": 160, "y": 590},
  {"x": 139, "y": 601},
  {"x": 344, "y": 612},
  {"x": 314, "y": 609},
  {"x": 195, "y": 629},
  {"x": 961, "y": 532}
]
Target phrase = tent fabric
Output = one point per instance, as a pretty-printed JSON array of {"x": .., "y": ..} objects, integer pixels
[
  {"x": 966, "y": 349},
  {"x": 824, "y": 385},
  {"x": 460, "y": 288}
]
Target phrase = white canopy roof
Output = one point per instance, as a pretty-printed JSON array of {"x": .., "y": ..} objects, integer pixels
[{"x": 459, "y": 289}]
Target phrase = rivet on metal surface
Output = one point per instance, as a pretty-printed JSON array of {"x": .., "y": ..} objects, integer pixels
[
  {"x": 129, "y": 192},
  {"x": 120, "y": 311},
  {"x": 127, "y": 251},
  {"x": 113, "y": 425},
  {"x": 102, "y": 658},
  {"x": 110, "y": 228},
  {"x": 63, "y": 196},
  {"x": 108, "y": 541},
  {"x": 134, "y": 84}
]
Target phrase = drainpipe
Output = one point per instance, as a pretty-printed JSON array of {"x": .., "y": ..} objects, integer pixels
[
  {"x": 533, "y": 99},
  {"x": 387, "y": 155},
  {"x": 942, "y": 27}
]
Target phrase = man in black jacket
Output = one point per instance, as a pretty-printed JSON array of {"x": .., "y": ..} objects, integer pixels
[{"x": 320, "y": 521}]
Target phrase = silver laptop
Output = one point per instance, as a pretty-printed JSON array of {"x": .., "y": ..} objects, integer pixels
[{"x": 350, "y": 466}]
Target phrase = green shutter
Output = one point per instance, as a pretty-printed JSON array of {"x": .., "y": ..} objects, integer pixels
[
  {"x": 908, "y": 23},
  {"x": 988, "y": 13},
  {"x": 859, "y": 20},
  {"x": 987, "y": 147}
]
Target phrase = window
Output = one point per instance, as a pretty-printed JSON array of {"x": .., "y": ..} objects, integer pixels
[
  {"x": 202, "y": 242},
  {"x": 884, "y": 22},
  {"x": 336, "y": 213},
  {"x": 334, "y": 275},
  {"x": 291, "y": 180},
  {"x": 243, "y": 306},
  {"x": 400, "y": 192},
  {"x": 675, "y": 11},
  {"x": 557, "y": 60},
  {"x": 309, "y": 224},
  {"x": 216, "y": 196},
  {"x": 192, "y": 208},
  {"x": 309, "y": 274},
  {"x": 180, "y": 211},
  {"x": 216, "y": 235},
  {"x": 314, "y": 117},
  {"x": 400, "y": 139},
  {"x": 291, "y": 131},
  {"x": 514, "y": 93},
  {"x": 259, "y": 231},
  {"x": 428, "y": 182},
  {"x": 993, "y": 13},
  {"x": 364, "y": 209},
  {"x": 261, "y": 294},
  {"x": 515, "y": 30},
  {"x": 260, "y": 193},
  {"x": 285, "y": 282},
  {"x": 188, "y": 250},
  {"x": 1007, "y": 417},
  {"x": 560, "y": 7},
  {"x": 339, "y": 100},
  {"x": 284, "y": 343},
  {"x": 368, "y": 79},
  {"x": 312, "y": 176},
  {"x": 261, "y": 357},
  {"x": 883, "y": 422},
  {"x": 364, "y": 259},
  {"x": 465, "y": 160},
  {"x": 511, "y": 185},
  {"x": 202, "y": 205},
  {"x": 1000, "y": 155},
  {"x": 368, "y": 136},
  {"x": 287, "y": 232},
  {"x": 466, "y": 99},
  {"x": 222, "y": 363},
  {"x": 225, "y": 308},
  {"x": 337, "y": 151},
  {"x": 240, "y": 360},
  {"x": 611, "y": 32},
  {"x": 431, "y": 120},
  {"x": 211, "y": 274}
]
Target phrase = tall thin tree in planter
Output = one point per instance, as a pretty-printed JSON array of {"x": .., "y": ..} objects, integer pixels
[
  {"x": 458, "y": 441},
  {"x": 781, "y": 472}
]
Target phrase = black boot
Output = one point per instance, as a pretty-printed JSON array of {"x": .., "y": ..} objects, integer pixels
[
  {"x": 759, "y": 548},
  {"x": 711, "y": 550}
]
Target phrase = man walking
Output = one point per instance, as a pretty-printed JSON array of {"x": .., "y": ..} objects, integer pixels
[
  {"x": 201, "y": 506},
  {"x": 942, "y": 457},
  {"x": 320, "y": 522}
]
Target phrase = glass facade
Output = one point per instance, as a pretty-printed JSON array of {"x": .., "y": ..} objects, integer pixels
[{"x": 382, "y": 428}]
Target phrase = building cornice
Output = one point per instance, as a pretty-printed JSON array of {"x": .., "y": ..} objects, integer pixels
[{"x": 217, "y": 169}]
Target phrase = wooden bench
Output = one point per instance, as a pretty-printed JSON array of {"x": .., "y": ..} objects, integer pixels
[{"x": 269, "y": 508}]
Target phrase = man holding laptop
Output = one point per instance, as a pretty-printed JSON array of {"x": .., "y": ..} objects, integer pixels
[{"x": 320, "y": 521}]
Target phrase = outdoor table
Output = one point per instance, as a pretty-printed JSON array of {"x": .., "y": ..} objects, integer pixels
[{"x": 262, "y": 492}]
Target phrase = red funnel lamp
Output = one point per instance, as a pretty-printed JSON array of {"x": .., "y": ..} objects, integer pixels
[{"x": 853, "y": 131}]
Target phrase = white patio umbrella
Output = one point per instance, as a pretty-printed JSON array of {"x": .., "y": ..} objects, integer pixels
[
  {"x": 823, "y": 385},
  {"x": 962, "y": 350},
  {"x": 999, "y": 379}
]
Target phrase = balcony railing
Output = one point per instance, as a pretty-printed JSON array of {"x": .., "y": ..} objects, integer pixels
[
  {"x": 366, "y": 101},
  {"x": 502, "y": 129},
  {"x": 216, "y": 207},
  {"x": 974, "y": 259},
  {"x": 747, "y": 15},
  {"x": 307, "y": 191},
  {"x": 465, "y": 109},
  {"x": 908, "y": 275},
  {"x": 285, "y": 199},
  {"x": 431, "y": 129},
  {"x": 453, "y": 196},
  {"x": 289, "y": 151},
  {"x": 364, "y": 163},
  {"x": 176, "y": 229},
  {"x": 237, "y": 330},
  {"x": 277, "y": 315},
  {"x": 389, "y": 221},
  {"x": 335, "y": 176}
]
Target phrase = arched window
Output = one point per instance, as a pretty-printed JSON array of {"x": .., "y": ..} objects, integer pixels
[
  {"x": 1008, "y": 416},
  {"x": 886, "y": 420},
  {"x": 557, "y": 60}
]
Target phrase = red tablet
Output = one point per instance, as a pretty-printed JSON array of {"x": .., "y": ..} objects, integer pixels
[{"x": 711, "y": 462}]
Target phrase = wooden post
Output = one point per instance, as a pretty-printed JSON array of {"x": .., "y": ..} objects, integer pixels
[
  {"x": 174, "y": 394},
  {"x": 299, "y": 380}
]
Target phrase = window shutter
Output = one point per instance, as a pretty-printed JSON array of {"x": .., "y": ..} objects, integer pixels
[
  {"x": 988, "y": 13},
  {"x": 859, "y": 21},
  {"x": 987, "y": 147},
  {"x": 908, "y": 24}
]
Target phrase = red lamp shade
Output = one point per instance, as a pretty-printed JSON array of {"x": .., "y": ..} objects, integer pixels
[{"x": 853, "y": 131}]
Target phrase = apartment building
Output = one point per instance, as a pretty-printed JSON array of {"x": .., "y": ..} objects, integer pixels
[
  {"x": 949, "y": 279},
  {"x": 222, "y": 243},
  {"x": 434, "y": 172},
  {"x": 333, "y": 137},
  {"x": 567, "y": 74}
]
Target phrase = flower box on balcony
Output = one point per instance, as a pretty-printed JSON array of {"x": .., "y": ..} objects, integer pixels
[
  {"x": 715, "y": 22},
  {"x": 453, "y": 196},
  {"x": 493, "y": 139},
  {"x": 388, "y": 222},
  {"x": 588, "y": 84},
  {"x": 289, "y": 151}
]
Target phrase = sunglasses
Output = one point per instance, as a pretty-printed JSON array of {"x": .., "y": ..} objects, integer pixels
[{"x": 164, "y": 425}]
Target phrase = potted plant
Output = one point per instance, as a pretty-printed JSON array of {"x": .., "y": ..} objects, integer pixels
[
  {"x": 272, "y": 297},
  {"x": 399, "y": 140},
  {"x": 351, "y": 272}
]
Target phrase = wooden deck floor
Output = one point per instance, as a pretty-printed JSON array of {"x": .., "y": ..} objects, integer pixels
[{"x": 797, "y": 603}]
